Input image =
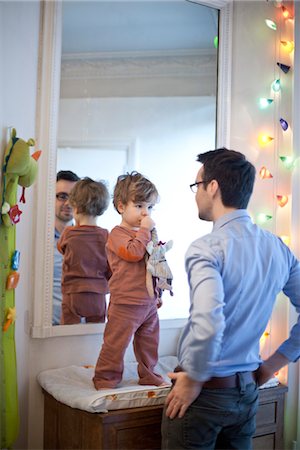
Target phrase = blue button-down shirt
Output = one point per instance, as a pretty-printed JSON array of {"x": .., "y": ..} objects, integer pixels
[{"x": 235, "y": 274}]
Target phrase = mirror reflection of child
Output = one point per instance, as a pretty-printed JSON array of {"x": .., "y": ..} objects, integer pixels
[
  {"x": 85, "y": 270},
  {"x": 131, "y": 311}
]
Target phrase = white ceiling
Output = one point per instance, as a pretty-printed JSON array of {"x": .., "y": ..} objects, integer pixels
[{"x": 119, "y": 26}]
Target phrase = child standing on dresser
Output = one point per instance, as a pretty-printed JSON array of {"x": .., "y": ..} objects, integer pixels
[
  {"x": 85, "y": 269},
  {"x": 131, "y": 312}
]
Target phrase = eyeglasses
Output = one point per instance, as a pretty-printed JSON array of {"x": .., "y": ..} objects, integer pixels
[
  {"x": 194, "y": 186},
  {"x": 62, "y": 196}
]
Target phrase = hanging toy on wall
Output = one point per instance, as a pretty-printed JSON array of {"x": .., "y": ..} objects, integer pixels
[
  {"x": 19, "y": 168},
  {"x": 13, "y": 277}
]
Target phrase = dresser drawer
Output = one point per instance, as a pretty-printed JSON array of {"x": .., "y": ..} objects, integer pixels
[
  {"x": 266, "y": 414},
  {"x": 264, "y": 442}
]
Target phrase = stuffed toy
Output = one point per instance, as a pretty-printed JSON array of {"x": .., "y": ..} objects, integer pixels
[
  {"x": 19, "y": 168},
  {"x": 158, "y": 275}
]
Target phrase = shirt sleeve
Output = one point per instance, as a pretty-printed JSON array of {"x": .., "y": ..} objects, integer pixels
[
  {"x": 131, "y": 248},
  {"x": 291, "y": 347},
  {"x": 61, "y": 243},
  {"x": 201, "y": 339}
]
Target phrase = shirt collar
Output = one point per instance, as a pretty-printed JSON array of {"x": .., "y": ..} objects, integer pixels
[{"x": 229, "y": 217}]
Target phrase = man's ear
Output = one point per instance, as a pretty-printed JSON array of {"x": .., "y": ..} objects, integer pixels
[{"x": 214, "y": 187}]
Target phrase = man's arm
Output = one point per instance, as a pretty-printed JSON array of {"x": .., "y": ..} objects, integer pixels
[
  {"x": 270, "y": 366},
  {"x": 128, "y": 247},
  {"x": 201, "y": 340}
]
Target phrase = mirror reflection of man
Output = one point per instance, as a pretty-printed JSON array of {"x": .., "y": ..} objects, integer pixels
[{"x": 65, "y": 180}]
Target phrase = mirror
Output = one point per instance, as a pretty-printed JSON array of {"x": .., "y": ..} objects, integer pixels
[{"x": 140, "y": 95}]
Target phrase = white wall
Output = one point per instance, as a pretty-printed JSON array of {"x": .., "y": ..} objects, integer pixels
[
  {"x": 19, "y": 38},
  {"x": 293, "y": 402},
  {"x": 18, "y": 78}
]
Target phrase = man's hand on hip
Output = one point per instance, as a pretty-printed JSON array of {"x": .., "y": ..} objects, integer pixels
[{"x": 183, "y": 393}]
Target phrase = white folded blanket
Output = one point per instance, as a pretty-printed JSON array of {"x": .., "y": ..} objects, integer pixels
[{"x": 74, "y": 387}]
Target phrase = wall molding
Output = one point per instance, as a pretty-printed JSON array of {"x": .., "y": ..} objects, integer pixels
[{"x": 159, "y": 64}]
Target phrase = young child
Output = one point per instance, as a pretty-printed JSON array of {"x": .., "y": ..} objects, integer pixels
[
  {"x": 131, "y": 311},
  {"x": 85, "y": 269}
]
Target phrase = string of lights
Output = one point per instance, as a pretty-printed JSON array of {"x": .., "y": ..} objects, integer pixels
[{"x": 279, "y": 140}]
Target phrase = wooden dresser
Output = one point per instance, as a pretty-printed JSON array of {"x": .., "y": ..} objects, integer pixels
[{"x": 139, "y": 428}]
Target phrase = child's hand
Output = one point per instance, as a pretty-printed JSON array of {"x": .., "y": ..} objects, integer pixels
[{"x": 147, "y": 222}]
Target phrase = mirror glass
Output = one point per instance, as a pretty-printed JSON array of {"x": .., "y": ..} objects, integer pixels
[{"x": 138, "y": 92}]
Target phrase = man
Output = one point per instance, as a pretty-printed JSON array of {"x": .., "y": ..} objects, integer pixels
[
  {"x": 65, "y": 180},
  {"x": 234, "y": 274}
]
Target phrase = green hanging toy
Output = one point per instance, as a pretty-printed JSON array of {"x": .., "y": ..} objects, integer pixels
[{"x": 19, "y": 168}]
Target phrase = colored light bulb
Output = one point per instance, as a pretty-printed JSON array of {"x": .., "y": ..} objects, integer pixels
[
  {"x": 285, "y": 12},
  {"x": 263, "y": 218},
  {"x": 283, "y": 67},
  {"x": 282, "y": 200},
  {"x": 286, "y": 239},
  {"x": 276, "y": 85},
  {"x": 264, "y": 173},
  {"x": 216, "y": 41},
  {"x": 284, "y": 124},
  {"x": 271, "y": 24},
  {"x": 265, "y": 102},
  {"x": 264, "y": 139},
  {"x": 288, "y": 45},
  {"x": 263, "y": 338}
]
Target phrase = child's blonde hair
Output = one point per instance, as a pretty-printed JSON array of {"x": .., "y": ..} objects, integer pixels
[
  {"x": 89, "y": 197},
  {"x": 134, "y": 187}
]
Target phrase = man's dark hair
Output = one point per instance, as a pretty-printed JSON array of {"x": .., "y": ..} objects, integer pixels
[
  {"x": 67, "y": 175},
  {"x": 234, "y": 174}
]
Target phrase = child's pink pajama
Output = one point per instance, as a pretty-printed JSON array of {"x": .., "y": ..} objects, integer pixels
[{"x": 131, "y": 312}]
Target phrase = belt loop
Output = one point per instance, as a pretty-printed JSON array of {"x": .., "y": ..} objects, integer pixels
[{"x": 241, "y": 382}]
